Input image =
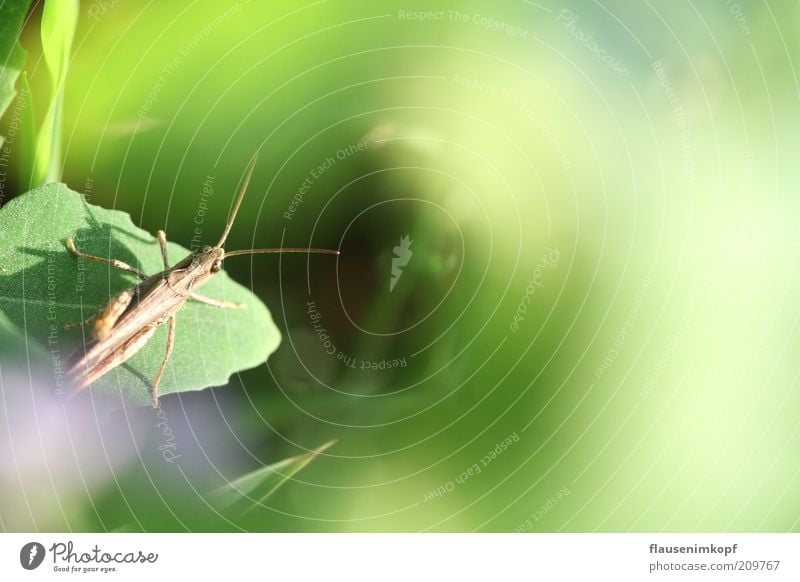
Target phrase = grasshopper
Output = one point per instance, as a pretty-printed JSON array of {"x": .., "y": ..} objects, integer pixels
[{"x": 132, "y": 316}]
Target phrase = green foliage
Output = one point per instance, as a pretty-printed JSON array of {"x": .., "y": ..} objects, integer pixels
[
  {"x": 59, "y": 19},
  {"x": 251, "y": 490},
  {"x": 10, "y": 337},
  {"x": 12, "y": 57},
  {"x": 43, "y": 287},
  {"x": 27, "y": 138}
]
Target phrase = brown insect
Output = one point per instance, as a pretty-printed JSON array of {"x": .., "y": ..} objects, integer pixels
[{"x": 132, "y": 316}]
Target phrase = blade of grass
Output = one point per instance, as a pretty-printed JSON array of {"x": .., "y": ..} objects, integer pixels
[
  {"x": 257, "y": 486},
  {"x": 59, "y": 19},
  {"x": 12, "y": 57},
  {"x": 27, "y": 135}
]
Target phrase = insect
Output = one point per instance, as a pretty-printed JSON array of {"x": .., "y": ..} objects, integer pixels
[{"x": 132, "y": 316}]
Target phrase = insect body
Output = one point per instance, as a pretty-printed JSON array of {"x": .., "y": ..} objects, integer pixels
[{"x": 132, "y": 316}]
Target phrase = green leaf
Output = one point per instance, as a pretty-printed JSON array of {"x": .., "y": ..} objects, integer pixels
[
  {"x": 12, "y": 15},
  {"x": 10, "y": 69},
  {"x": 12, "y": 57},
  {"x": 59, "y": 20},
  {"x": 43, "y": 287},
  {"x": 27, "y": 137},
  {"x": 252, "y": 489},
  {"x": 9, "y": 336},
  {"x": 15, "y": 351}
]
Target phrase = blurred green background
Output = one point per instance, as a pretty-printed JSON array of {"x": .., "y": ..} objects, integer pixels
[{"x": 620, "y": 178}]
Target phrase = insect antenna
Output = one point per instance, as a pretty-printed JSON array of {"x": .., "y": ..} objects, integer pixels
[
  {"x": 282, "y": 250},
  {"x": 250, "y": 167}
]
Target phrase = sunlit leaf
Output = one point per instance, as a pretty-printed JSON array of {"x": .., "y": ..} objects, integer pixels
[
  {"x": 27, "y": 137},
  {"x": 59, "y": 19},
  {"x": 43, "y": 287}
]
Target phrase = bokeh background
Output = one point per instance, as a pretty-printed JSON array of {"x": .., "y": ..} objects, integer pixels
[{"x": 595, "y": 330}]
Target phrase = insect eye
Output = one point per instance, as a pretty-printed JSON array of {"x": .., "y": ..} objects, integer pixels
[{"x": 216, "y": 266}]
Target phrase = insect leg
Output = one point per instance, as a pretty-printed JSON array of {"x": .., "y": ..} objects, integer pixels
[
  {"x": 113, "y": 310},
  {"x": 216, "y": 302},
  {"x": 114, "y": 262},
  {"x": 69, "y": 326},
  {"x": 162, "y": 242},
  {"x": 170, "y": 344}
]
